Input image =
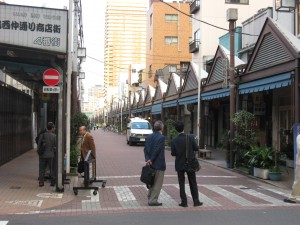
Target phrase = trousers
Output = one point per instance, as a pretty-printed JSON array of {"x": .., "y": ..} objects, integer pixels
[
  {"x": 154, "y": 191},
  {"x": 193, "y": 186}
]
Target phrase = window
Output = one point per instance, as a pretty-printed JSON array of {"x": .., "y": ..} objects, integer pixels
[
  {"x": 171, "y": 40},
  {"x": 172, "y": 68},
  {"x": 197, "y": 35},
  {"x": 151, "y": 19},
  {"x": 237, "y": 1},
  {"x": 171, "y": 17},
  {"x": 150, "y": 43}
]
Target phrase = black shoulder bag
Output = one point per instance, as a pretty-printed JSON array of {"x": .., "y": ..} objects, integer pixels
[
  {"x": 42, "y": 146},
  {"x": 190, "y": 165}
]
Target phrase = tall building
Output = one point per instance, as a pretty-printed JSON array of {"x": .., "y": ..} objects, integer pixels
[
  {"x": 168, "y": 35},
  {"x": 125, "y": 41}
]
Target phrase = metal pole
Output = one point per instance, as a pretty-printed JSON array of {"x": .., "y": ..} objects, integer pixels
[
  {"x": 69, "y": 75},
  {"x": 121, "y": 116},
  {"x": 232, "y": 90}
]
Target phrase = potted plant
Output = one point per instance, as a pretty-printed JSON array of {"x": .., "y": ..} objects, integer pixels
[
  {"x": 274, "y": 171},
  {"x": 261, "y": 160},
  {"x": 245, "y": 135}
]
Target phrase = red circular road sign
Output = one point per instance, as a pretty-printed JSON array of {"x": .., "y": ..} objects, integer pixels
[{"x": 51, "y": 77}]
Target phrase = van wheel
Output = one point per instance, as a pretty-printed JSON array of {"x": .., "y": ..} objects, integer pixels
[{"x": 130, "y": 143}]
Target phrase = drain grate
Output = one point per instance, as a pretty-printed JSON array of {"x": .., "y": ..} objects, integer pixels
[
  {"x": 244, "y": 188},
  {"x": 15, "y": 187}
]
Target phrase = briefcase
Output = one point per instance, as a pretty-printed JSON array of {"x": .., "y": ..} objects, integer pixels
[{"x": 147, "y": 176}]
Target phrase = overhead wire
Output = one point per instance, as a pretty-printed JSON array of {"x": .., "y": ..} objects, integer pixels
[{"x": 209, "y": 24}]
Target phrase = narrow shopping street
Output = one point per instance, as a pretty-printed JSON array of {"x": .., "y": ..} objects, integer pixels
[{"x": 120, "y": 164}]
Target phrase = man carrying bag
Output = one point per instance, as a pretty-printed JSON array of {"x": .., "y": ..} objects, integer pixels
[{"x": 183, "y": 148}]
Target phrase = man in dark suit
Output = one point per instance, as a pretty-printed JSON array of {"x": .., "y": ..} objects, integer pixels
[
  {"x": 178, "y": 149},
  {"x": 48, "y": 139},
  {"x": 155, "y": 156}
]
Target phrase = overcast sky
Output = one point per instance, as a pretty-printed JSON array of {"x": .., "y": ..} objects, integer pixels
[{"x": 93, "y": 31}]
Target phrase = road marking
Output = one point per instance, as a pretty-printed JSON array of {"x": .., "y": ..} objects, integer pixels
[
  {"x": 138, "y": 176},
  {"x": 49, "y": 195},
  {"x": 35, "y": 203},
  {"x": 124, "y": 194},
  {"x": 231, "y": 196},
  {"x": 202, "y": 197},
  {"x": 3, "y": 222}
]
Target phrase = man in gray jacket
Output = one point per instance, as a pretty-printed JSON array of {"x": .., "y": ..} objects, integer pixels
[{"x": 47, "y": 157}]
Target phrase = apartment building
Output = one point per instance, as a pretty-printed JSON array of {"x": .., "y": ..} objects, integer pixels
[
  {"x": 125, "y": 41},
  {"x": 214, "y": 24},
  {"x": 168, "y": 34}
]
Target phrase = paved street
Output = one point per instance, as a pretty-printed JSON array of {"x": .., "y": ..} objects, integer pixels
[{"x": 220, "y": 189}]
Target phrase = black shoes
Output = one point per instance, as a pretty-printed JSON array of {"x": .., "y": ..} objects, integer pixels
[
  {"x": 41, "y": 184},
  {"x": 155, "y": 204},
  {"x": 198, "y": 204},
  {"x": 287, "y": 200},
  {"x": 183, "y": 205}
]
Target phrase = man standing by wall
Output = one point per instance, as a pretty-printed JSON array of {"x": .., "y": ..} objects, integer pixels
[
  {"x": 155, "y": 157},
  {"x": 48, "y": 139}
]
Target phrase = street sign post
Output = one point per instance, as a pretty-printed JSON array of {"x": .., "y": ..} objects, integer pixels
[{"x": 51, "y": 77}]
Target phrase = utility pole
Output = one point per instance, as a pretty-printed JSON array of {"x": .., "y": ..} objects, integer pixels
[{"x": 232, "y": 16}]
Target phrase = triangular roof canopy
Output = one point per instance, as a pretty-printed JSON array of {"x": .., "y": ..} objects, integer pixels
[
  {"x": 174, "y": 85},
  {"x": 275, "y": 48}
]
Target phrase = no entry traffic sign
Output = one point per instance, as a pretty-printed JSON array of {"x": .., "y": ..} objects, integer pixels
[{"x": 51, "y": 77}]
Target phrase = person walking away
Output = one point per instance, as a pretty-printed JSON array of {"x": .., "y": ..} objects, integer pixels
[
  {"x": 296, "y": 185},
  {"x": 154, "y": 152},
  {"x": 48, "y": 156},
  {"x": 178, "y": 149},
  {"x": 87, "y": 143}
]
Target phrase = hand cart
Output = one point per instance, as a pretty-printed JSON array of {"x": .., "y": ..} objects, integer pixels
[{"x": 89, "y": 175}]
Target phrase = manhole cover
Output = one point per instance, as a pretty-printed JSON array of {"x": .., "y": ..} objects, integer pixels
[
  {"x": 244, "y": 188},
  {"x": 15, "y": 187}
]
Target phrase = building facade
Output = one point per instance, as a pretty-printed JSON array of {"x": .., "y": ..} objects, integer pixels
[
  {"x": 125, "y": 41},
  {"x": 168, "y": 35}
]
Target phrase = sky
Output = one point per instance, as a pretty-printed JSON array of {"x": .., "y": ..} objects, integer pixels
[{"x": 93, "y": 13}]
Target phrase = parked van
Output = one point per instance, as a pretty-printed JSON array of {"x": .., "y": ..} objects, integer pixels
[{"x": 137, "y": 130}]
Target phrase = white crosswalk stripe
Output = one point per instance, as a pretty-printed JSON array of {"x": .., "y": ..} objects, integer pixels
[
  {"x": 262, "y": 196},
  {"x": 127, "y": 198},
  {"x": 233, "y": 197},
  {"x": 202, "y": 197},
  {"x": 3, "y": 222}
]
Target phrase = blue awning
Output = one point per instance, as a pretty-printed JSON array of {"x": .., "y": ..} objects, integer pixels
[
  {"x": 169, "y": 104},
  {"x": 220, "y": 93},
  {"x": 188, "y": 100},
  {"x": 147, "y": 108},
  {"x": 268, "y": 83},
  {"x": 156, "y": 109}
]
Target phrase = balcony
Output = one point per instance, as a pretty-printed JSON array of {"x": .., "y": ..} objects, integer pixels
[
  {"x": 195, "y": 6},
  {"x": 194, "y": 46}
]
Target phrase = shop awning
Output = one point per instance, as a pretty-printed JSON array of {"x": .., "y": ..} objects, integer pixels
[
  {"x": 268, "y": 83},
  {"x": 188, "y": 100},
  {"x": 156, "y": 109},
  {"x": 220, "y": 93},
  {"x": 169, "y": 104},
  {"x": 147, "y": 108}
]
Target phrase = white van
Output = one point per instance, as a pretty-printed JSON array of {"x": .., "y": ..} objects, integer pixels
[{"x": 137, "y": 131}]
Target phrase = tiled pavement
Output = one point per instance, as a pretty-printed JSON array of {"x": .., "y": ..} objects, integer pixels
[{"x": 219, "y": 189}]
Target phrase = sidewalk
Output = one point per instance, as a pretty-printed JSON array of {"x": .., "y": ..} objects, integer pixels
[
  {"x": 19, "y": 180},
  {"x": 218, "y": 159}
]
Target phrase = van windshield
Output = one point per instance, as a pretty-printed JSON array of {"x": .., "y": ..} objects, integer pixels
[{"x": 141, "y": 125}]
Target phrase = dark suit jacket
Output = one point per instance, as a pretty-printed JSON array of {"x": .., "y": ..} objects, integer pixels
[
  {"x": 88, "y": 144},
  {"x": 155, "y": 150},
  {"x": 178, "y": 149}
]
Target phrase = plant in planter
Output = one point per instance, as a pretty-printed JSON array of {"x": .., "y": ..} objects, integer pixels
[
  {"x": 274, "y": 171},
  {"x": 171, "y": 131},
  {"x": 245, "y": 134},
  {"x": 261, "y": 159}
]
